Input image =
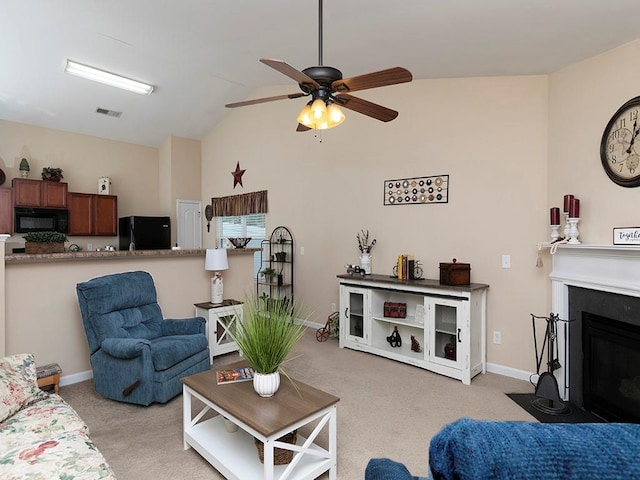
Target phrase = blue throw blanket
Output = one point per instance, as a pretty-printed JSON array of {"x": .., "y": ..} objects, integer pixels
[{"x": 472, "y": 449}]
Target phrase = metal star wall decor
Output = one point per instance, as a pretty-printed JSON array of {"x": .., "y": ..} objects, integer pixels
[{"x": 237, "y": 176}]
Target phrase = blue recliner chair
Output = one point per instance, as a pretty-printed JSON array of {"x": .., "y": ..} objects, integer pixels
[{"x": 136, "y": 355}]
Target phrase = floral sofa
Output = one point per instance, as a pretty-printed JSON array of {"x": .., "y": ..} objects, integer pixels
[{"x": 41, "y": 436}]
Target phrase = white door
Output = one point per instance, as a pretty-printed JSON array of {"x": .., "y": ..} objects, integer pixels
[{"x": 189, "y": 225}]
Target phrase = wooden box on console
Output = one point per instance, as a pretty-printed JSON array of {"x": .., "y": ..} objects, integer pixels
[{"x": 455, "y": 273}]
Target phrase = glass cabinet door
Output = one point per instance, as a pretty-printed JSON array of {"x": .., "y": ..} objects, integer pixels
[
  {"x": 448, "y": 332},
  {"x": 355, "y": 312}
]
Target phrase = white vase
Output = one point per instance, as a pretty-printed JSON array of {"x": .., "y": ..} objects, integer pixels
[
  {"x": 365, "y": 262},
  {"x": 266, "y": 384}
]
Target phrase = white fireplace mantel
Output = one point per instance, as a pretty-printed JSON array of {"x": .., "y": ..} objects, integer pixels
[{"x": 607, "y": 268}]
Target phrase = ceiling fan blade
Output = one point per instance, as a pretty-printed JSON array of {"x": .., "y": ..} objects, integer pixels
[
  {"x": 290, "y": 72},
  {"x": 390, "y": 76},
  {"x": 365, "y": 107},
  {"x": 265, "y": 99},
  {"x": 302, "y": 128}
]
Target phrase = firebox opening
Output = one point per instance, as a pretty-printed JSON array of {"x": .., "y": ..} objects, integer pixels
[{"x": 611, "y": 368}]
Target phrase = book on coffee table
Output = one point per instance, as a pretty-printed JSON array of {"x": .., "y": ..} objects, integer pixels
[{"x": 234, "y": 375}]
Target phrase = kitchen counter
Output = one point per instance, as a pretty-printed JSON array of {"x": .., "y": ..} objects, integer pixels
[{"x": 17, "y": 258}]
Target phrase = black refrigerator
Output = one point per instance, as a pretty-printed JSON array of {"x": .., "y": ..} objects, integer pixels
[{"x": 144, "y": 233}]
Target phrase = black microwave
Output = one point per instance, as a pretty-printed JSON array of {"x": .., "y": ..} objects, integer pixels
[{"x": 41, "y": 220}]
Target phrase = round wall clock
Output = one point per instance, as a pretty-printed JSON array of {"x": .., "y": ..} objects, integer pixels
[{"x": 620, "y": 145}]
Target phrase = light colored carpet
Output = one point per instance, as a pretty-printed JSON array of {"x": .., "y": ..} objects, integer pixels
[{"x": 386, "y": 409}]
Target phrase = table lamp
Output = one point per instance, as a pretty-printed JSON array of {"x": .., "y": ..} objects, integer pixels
[{"x": 216, "y": 260}]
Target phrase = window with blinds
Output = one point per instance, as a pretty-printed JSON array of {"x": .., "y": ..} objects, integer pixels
[{"x": 243, "y": 226}]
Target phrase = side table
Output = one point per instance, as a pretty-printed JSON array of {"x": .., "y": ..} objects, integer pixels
[
  {"x": 220, "y": 319},
  {"x": 49, "y": 376}
]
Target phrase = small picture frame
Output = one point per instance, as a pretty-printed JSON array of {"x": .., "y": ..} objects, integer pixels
[
  {"x": 626, "y": 236},
  {"x": 104, "y": 186}
]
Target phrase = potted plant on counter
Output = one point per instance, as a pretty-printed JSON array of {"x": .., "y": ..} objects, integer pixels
[
  {"x": 266, "y": 335},
  {"x": 44, "y": 242}
]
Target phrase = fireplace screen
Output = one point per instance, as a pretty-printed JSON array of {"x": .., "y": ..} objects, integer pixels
[{"x": 611, "y": 368}]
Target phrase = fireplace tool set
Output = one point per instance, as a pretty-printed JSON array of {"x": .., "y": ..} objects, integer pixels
[{"x": 547, "y": 395}]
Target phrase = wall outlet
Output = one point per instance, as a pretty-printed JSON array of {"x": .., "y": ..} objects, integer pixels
[
  {"x": 497, "y": 338},
  {"x": 506, "y": 261},
  {"x": 333, "y": 307}
]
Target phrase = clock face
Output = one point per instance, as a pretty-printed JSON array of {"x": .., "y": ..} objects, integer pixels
[{"x": 620, "y": 145}]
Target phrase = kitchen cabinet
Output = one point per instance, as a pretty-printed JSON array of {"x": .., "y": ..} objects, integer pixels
[
  {"x": 441, "y": 328},
  {"x": 6, "y": 211},
  {"x": 93, "y": 215},
  {"x": 39, "y": 193}
]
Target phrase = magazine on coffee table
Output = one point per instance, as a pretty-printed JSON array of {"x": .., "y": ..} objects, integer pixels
[{"x": 234, "y": 375}]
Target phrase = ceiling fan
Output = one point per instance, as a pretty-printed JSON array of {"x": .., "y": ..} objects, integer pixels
[{"x": 329, "y": 91}]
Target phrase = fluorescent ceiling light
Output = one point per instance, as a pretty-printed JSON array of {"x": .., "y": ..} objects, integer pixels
[{"x": 107, "y": 78}]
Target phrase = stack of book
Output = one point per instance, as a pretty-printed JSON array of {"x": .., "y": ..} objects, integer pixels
[{"x": 406, "y": 267}]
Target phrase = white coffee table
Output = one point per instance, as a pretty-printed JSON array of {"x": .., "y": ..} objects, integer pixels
[{"x": 235, "y": 455}]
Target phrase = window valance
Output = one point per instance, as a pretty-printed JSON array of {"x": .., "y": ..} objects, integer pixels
[{"x": 236, "y": 205}]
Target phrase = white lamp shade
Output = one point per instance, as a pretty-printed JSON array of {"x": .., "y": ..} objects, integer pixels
[{"x": 216, "y": 259}]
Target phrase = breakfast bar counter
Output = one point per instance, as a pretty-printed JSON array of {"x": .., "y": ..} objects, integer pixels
[{"x": 114, "y": 255}]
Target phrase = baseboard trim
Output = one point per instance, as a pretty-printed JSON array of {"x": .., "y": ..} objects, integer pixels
[
  {"x": 509, "y": 372},
  {"x": 75, "y": 378},
  {"x": 491, "y": 368}
]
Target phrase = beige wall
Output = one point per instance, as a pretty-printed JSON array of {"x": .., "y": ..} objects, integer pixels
[
  {"x": 147, "y": 181},
  {"x": 133, "y": 169},
  {"x": 42, "y": 313},
  {"x": 488, "y": 134},
  {"x": 582, "y": 99},
  {"x": 185, "y": 175}
]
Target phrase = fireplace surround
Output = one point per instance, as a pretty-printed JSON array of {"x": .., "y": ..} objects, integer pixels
[{"x": 597, "y": 288}]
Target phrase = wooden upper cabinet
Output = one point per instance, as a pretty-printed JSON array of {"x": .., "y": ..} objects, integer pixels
[
  {"x": 81, "y": 213},
  {"x": 93, "y": 215},
  {"x": 54, "y": 194},
  {"x": 106, "y": 215},
  {"x": 6, "y": 211},
  {"x": 27, "y": 193},
  {"x": 39, "y": 193}
]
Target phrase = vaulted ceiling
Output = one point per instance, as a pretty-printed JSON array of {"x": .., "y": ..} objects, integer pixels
[{"x": 202, "y": 54}]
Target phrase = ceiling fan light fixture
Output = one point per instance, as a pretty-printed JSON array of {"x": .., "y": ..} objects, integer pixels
[
  {"x": 107, "y": 78},
  {"x": 305, "y": 116},
  {"x": 336, "y": 117},
  {"x": 318, "y": 110},
  {"x": 318, "y": 116}
]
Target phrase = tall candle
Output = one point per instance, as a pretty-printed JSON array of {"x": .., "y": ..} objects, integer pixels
[
  {"x": 567, "y": 203},
  {"x": 574, "y": 208},
  {"x": 555, "y": 216}
]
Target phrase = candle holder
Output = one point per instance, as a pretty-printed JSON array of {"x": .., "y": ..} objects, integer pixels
[
  {"x": 573, "y": 231},
  {"x": 554, "y": 232},
  {"x": 567, "y": 227}
]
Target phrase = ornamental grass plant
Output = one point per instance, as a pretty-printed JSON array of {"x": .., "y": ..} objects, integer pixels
[{"x": 269, "y": 330}]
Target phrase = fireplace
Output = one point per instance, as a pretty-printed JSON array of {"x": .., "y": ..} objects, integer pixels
[
  {"x": 597, "y": 288},
  {"x": 604, "y": 353}
]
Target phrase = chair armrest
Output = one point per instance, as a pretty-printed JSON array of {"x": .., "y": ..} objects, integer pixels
[
  {"x": 124, "y": 347},
  {"x": 183, "y": 326},
  {"x": 387, "y": 469}
]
